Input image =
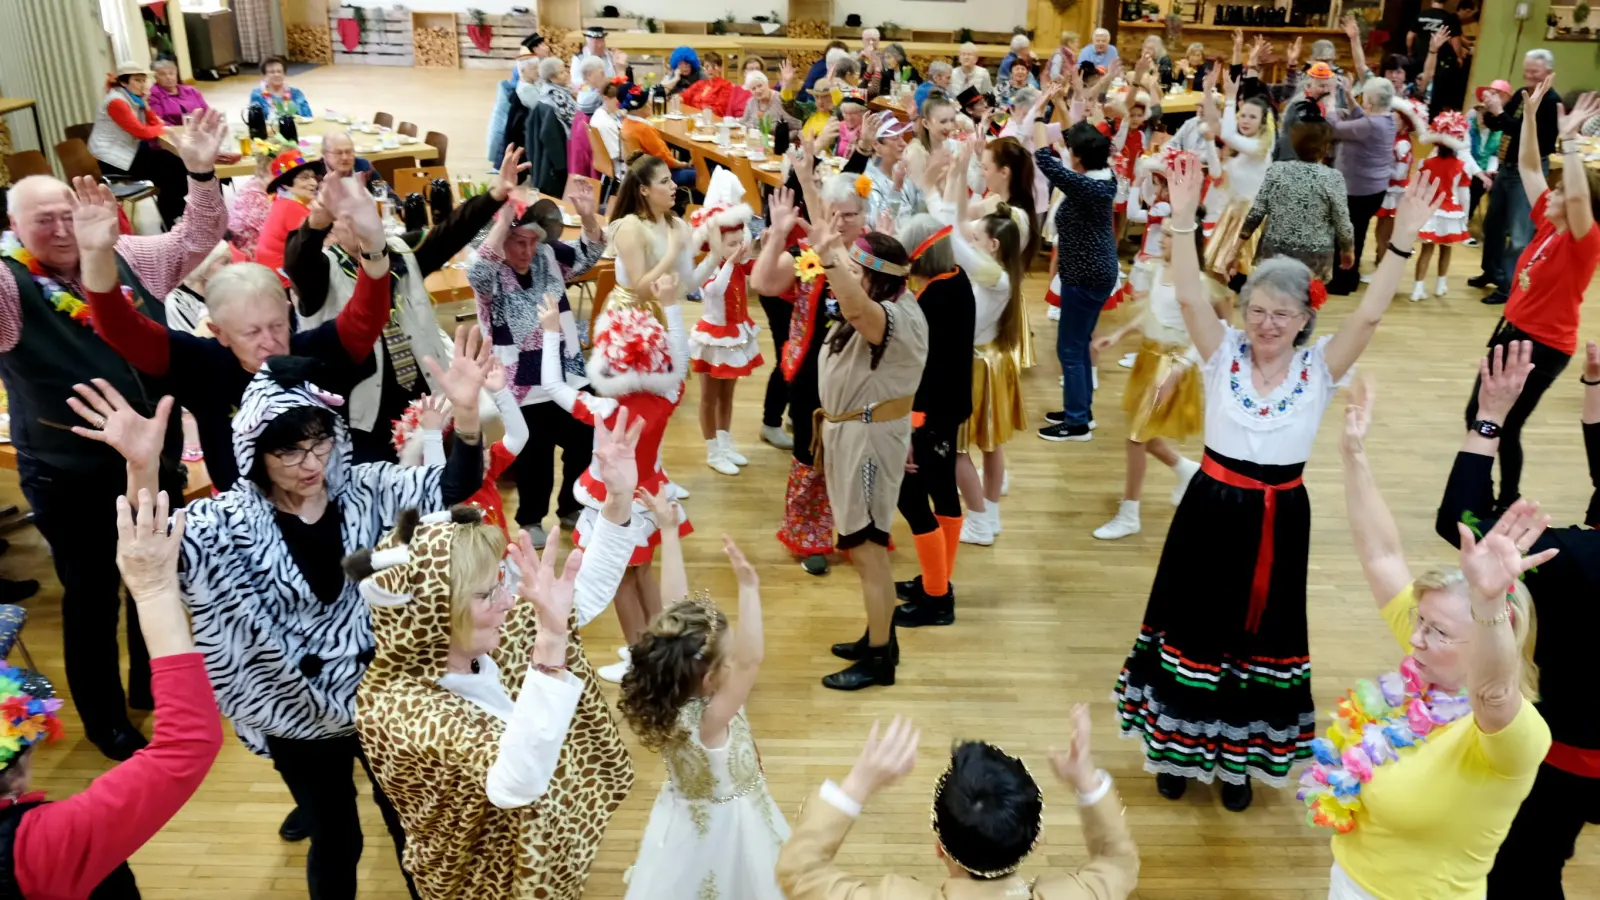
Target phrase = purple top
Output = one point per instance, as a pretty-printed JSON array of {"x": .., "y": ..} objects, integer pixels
[
  {"x": 171, "y": 108},
  {"x": 1366, "y": 151}
]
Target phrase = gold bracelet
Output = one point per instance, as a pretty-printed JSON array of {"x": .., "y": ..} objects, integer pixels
[{"x": 1497, "y": 620}]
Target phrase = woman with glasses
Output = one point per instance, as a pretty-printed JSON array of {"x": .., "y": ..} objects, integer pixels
[
  {"x": 285, "y": 633},
  {"x": 1218, "y": 682},
  {"x": 1423, "y": 818}
]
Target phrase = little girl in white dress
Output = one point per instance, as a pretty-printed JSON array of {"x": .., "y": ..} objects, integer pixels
[{"x": 714, "y": 830}]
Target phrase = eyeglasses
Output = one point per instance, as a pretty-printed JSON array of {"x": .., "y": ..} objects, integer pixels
[
  {"x": 296, "y": 456},
  {"x": 1255, "y": 315},
  {"x": 503, "y": 591},
  {"x": 1430, "y": 632}
]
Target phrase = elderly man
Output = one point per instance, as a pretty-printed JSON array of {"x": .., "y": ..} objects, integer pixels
[
  {"x": 1100, "y": 51},
  {"x": 1508, "y": 224},
  {"x": 1021, "y": 48},
  {"x": 594, "y": 47},
  {"x": 526, "y": 68},
  {"x": 71, "y": 482},
  {"x": 1316, "y": 86},
  {"x": 939, "y": 77},
  {"x": 869, "y": 47},
  {"x": 969, "y": 74},
  {"x": 339, "y": 157},
  {"x": 819, "y": 69}
]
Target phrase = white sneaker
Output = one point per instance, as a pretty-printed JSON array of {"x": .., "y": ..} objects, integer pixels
[
  {"x": 1125, "y": 523},
  {"x": 1053, "y": 313},
  {"x": 1127, "y": 360},
  {"x": 1419, "y": 292},
  {"x": 975, "y": 529},
  {"x": 1186, "y": 469},
  {"x": 1366, "y": 279},
  {"x": 717, "y": 459},
  {"x": 993, "y": 510},
  {"x": 777, "y": 437},
  {"x": 615, "y": 672},
  {"x": 1441, "y": 287},
  {"x": 730, "y": 452},
  {"x": 1005, "y": 483},
  {"x": 625, "y": 654}
]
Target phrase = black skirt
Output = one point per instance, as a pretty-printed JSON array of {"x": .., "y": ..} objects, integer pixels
[{"x": 1218, "y": 685}]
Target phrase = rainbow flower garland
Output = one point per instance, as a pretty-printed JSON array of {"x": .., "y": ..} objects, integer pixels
[
  {"x": 25, "y": 720},
  {"x": 1373, "y": 723},
  {"x": 59, "y": 297}
]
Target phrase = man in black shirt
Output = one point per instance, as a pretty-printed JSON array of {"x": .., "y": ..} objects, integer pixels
[{"x": 1508, "y": 224}]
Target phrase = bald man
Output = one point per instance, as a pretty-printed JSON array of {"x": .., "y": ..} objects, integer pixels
[
  {"x": 339, "y": 155},
  {"x": 71, "y": 482}
]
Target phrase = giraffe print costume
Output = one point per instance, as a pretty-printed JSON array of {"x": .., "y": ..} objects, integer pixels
[{"x": 432, "y": 750}]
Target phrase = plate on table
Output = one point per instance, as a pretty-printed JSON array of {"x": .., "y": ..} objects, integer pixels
[
  {"x": 570, "y": 220},
  {"x": 678, "y": 116},
  {"x": 773, "y": 166},
  {"x": 305, "y": 120},
  {"x": 408, "y": 139},
  {"x": 703, "y": 138},
  {"x": 368, "y": 129}
]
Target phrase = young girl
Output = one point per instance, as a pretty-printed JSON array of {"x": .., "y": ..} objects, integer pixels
[
  {"x": 1411, "y": 122},
  {"x": 1163, "y": 396},
  {"x": 723, "y": 346},
  {"x": 714, "y": 831},
  {"x": 1453, "y": 170},
  {"x": 1147, "y": 205}
]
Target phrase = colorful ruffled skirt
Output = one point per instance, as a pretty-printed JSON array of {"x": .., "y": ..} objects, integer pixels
[{"x": 807, "y": 528}]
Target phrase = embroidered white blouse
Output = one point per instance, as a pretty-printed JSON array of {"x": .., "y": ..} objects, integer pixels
[{"x": 1275, "y": 430}]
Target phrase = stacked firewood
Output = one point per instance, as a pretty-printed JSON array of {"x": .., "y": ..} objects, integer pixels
[
  {"x": 436, "y": 48},
  {"x": 809, "y": 28},
  {"x": 310, "y": 43}
]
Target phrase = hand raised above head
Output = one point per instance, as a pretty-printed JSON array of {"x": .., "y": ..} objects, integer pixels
[{"x": 115, "y": 423}]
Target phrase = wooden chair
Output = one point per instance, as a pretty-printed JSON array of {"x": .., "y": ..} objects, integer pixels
[
  {"x": 383, "y": 120},
  {"x": 408, "y": 129},
  {"x": 81, "y": 132},
  {"x": 386, "y": 168},
  {"x": 746, "y": 174},
  {"x": 78, "y": 162},
  {"x": 604, "y": 164},
  {"x": 440, "y": 141},
  {"x": 28, "y": 162},
  {"x": 417, "y": 179}
]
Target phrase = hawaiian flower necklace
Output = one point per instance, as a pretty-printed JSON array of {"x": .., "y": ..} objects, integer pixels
[
  {"x": 59, "y": 297},
  {"x": 1373, "y": 723}
]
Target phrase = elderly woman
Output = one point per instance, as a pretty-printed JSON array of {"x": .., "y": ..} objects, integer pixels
[
  {"x": 595, "y": 76},
  {"x": 125, "y": 141},
  {"x": 169, "y": 100},
  {"x": 968, "y": 73},
  {"x": 712, "y": 92},
  {"x": 1365, "y": 136},
  {"x": 892, "y": 192},
  {"x": 286, "y": 634},
  {"x": 481, "y": 715},
  {"x": 274, "y": 95},
  {"x": 1190, "y": 71},
  {"x": 1222, "y": 690},
  {"x": 522, "y": 262},
  {"x": 1303, "y": 203},
  {"x": 1014, "y": 80},
  {"x": 1156, "y": 49},
  {"x": 1428, "y": 820},
  {"x": 514, "y": 125},
  {"x": 683, "y": 70},
  {"x": 765, "y": 103},
  {"x": 550, "y": 88}
]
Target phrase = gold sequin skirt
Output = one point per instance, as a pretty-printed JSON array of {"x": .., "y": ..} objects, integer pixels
[
  {"x": 1178, "y": 415},
  {"x": 997, "y": 408},
  {"x": 1224, "y": 241}
]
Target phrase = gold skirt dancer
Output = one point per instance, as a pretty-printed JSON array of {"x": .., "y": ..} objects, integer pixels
[
  {"x": 997, "y": 407},
  {"x": 1224, "y": 245},
  {"x": 1178, "y": 415}
]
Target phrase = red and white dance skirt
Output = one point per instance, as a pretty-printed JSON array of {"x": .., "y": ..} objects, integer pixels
[
  {"x": 646, "y": 530},
  {"x": 1445, "y": 228},
  {"x": 724, "y": 351},
  {"x": 1391, "y": 200}
]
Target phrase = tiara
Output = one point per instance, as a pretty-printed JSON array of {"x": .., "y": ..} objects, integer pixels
[
  {"x": 867, "y": 260},
  {"x": 703, "y": 600},
  {"x": 933, "y": 818}
]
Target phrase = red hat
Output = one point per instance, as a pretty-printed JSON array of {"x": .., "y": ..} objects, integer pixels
[
  {"x": 630, "y": 353},
  {"x": 1450, "y": 129},
  {"x": 1499, "y": 84}
]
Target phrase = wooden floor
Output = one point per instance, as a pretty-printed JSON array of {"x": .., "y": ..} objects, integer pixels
[{"x": 1045, "y": 616}]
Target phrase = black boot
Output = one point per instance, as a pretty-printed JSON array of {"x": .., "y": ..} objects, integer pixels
[
  {"x": 1171, "y": 786},
  {"x": 1237, "y": 797},
  {"x": 875, "y": 668},
  {"x": 908, "y": 590},
  {"x": 920, "y": 610},
  {"x": 858, "y": 650},
  {"x": 294, "y": 827}
]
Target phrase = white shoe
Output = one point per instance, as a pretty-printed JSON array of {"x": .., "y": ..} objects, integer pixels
[
  {"x": 615, "y": 672},
  {"x": 1441, "y": 287},
  {"x": 1061, "y": 381},
  {"x": 1125, "y": 523},
  {"x": 975, "y": 529},
  {"x": 1186, "y": 469},
  {"x": 717, "y": 458},
  {"x": 625, "y": 654},
  {"x": 1127, "y": 360},
  {"x": 1005, "y": 484},
  {"x": 1366, "y": 279},
  {"x": 993, "y": 511},
  {"x": 1052, "y": 313},
  {"x": 777, "y": 437},
  {"x": 730, "y": 452},
  {"x": 1419, "y": 292}
]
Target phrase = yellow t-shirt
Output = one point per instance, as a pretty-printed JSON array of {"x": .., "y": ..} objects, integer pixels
[
  {"x": 1429, "y": 825},
  {"x": 814, "y": 124}
]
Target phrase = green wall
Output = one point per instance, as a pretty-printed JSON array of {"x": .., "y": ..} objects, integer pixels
[{"x": 1500, "y": 49}]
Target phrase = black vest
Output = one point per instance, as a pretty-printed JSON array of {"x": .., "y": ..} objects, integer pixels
[
  {"x": 56, "y": 352},
  {"x": 119, "y": 885}
]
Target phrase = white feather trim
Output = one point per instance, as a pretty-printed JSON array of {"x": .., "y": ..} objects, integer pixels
[
  {"x": 1404, "y": 108},
  {"x": 1445, "y": 140}
]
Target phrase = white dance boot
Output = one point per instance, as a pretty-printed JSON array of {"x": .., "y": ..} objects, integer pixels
[
  {"x": 615, "y": 672},
  {"x": 1127, "y": 360},
  {"x": 1124, "y": 523},
  {"x": 976, "y": 527},
  {"x": 777, "y": 437},
  {"x": 1441, "y": 287},
  {"x": 1185, "y": 471},
  {"x": 1420, "y": 291},
  {"x": 730, "y": 452}
]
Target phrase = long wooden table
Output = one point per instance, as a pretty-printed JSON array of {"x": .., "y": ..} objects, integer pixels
[
  {"x": 368, "y": 145},
  {"x": 679, "y": 133}
]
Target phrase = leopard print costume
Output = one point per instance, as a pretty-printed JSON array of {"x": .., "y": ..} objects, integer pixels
[{"x": 431, "y": 750}]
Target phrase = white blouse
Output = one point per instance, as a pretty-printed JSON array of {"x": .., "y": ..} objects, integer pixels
[
  {"x": 1161, "y": 319},
  {"x": 1276, "y": 430}
]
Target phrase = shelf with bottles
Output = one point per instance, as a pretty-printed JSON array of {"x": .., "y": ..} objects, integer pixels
[
  {"x": 1571, "y": 23},
  {"x": 1273, "y": 15}
]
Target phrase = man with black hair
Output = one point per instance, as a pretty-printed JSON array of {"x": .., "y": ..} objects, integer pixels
[{"x": 987, "y": 814}]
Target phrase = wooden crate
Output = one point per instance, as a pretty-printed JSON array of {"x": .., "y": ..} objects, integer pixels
[
  {"x": 309, "y": 43},
  {"x": 386, "y": 41},
  {"x": 507, "y": 33},
  {"x": 434, "y": 40}
]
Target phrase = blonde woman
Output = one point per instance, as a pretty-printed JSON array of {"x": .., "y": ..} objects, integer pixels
[{"x": 1423, "y": 818}]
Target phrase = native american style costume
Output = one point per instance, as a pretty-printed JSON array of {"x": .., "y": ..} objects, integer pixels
[
  {"x": 1454, "y": 176},
  {"x": 505, "y": 777},
  {"x": 1222, "y": 688},
  {"x": 724, "y": 342},
  {"x": 807, "y": 528}
]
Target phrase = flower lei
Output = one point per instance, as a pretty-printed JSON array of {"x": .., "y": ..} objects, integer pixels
[
  {"x": 25, "y": 720},
  {"x": 59, "y": 297},
  {"x": 1373, "y": 723}
]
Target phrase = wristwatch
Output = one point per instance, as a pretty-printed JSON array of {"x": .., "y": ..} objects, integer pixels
[
  {"x": 1487, "y": 428},
  {"x": 376, "y": 255}
]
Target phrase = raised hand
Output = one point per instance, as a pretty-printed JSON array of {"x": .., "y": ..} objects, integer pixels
[
  {"x": 826, "y": 239},
  {"x": 743, "y": 572},
  {"x": 94, "y": 216},
  {"x": 1501, "y": 375},
  {"x": 550, "y": 313},
  {"x": 1352, "y": 28},
  {"x": 1258, "y": 47},
  {"x": 1357, "y": 417},
  {"x": 827, "y": 139},
  {"x": 785, "y": 215},
  {"x": 1585, "y": 109},
  {"x": 581, "y": 196},
  {"x": 495, "y": 380},
  {"x": 1210, "y": 82},
  {"x": 1422, "y": 199},
  {"x": 1075, "y": 765},
  {"x": 147, "y": 549},
  {"x": 435, "y": 412},
  {"x": 511, "y": 166},
  {"x": 1238, "y": 41},
  {"x": 885, "y": 223},
  {"x": 119, "y": 426},
  {"x": 1491, "y": 566},
  {"x": 885, "y": 759},
  {"x": 1439, "y": 39},
  {"x": 1184, "y": 184},
  {"x": 552, "y": 597},
  {"x": 1294, "y": 53},
  {"x": 785, "y": 72},
  {"x": 357, "y": 207},
  {"x": 469, "y": 366},
  {"x": 615, "y": 450},
  {"x": 198, "y": 144},
  {"x": 1230, "y": 88},
  {"x": 661, "y": 504}
]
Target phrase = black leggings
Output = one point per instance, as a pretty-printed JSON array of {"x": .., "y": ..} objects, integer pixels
[
  {"x": 1362, "y": 210},
  {"x": 933, "y": 450},
  {"x": 550, "y": 426},
  {"x": 1548, "y": 363},
  {"x": 163, "y": 169},
  {"x": 1544, "y": 835},
  {"x": 778, "y": 311}
]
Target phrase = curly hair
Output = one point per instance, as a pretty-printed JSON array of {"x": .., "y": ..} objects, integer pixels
[{"x": 669, "y": 664}]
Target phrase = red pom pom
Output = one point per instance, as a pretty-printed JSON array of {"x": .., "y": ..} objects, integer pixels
[{"x": 1318, "y": 294}]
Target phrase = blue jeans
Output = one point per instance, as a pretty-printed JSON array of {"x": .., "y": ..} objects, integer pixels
[
  {"x": 1507, "y": 227},
  {"x": 1080, "y": 312}
]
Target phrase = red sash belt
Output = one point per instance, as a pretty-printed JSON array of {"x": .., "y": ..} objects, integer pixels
[
  {"x": 1269, "y": 515},
  {"x": 1574, "y": 760}
]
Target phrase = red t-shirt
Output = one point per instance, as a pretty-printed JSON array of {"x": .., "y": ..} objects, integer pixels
[{"x": 1548, "y": 284}]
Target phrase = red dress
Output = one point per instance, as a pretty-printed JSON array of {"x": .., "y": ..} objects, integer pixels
[
  {"x": 724, "y": 341},
  {"x": 1449, "y": 224}
]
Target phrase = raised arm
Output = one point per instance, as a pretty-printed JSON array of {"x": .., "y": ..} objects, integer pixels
[
  {"x": 1530, "y": 158},
  {"x": 1184, "y": 183},
  {"x": 610, "y": 548},
  {"x": 1575, "y": 191},
  {"x": 773, "y": 273},
  {"x": 1431, "y": 64},
  {"x": 867, "y": 316},
  {"x": 749, "y": 649},
  {"x": 162, "y": 261},
  {"x": 1422, "y": 199},
  {"x": 483, "y": 273},
  {"x": 136, "y": 337},
  {"x": 1372, "y": 525},
  {"x": 1358, "y": 54},
  {"x": 591, "y": 409},
  {"x": 1470, "y": 489}
]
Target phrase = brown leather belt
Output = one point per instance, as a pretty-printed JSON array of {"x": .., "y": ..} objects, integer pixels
[{"x": 882, "y": 411}]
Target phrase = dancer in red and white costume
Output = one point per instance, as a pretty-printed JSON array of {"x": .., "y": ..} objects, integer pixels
[
  {"x": 1147, "y": 205},
  {"x": 723, "y": 346},
  {"x": 1410, "y": 126},
  {"x": 1453, "y": 169}
]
